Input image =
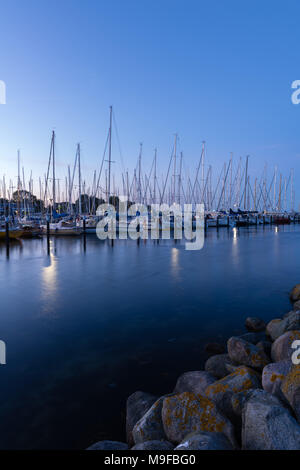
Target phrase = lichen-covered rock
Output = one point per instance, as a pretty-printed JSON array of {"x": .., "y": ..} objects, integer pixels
[
  {"x": 281, "y": 348},
  {"x": 150, "y": 427},
  {"x": 246, "y": 353},
  {"x": 205, "y": 441},
  {"x": 221, "y": 391},
  {"x": 108, "y": 445},
  {"x": 153, "y": 445},
  {"x": 290, "y": 388},
  {"x": 255, "y": 324},
  {"x": 267, "y": 425},
  {"x": 273, "y": 375},
  {"x": 187, "y": 412},
  {"x": 296, "y": 305},
  {"x": 137, "y": 405},
  {"x": 216, "y": 365},
  {"x": 295, "y": 293},
  {"x": 275, "y": 328},
  {"x": 238, "y": 401},
  {"x": 292, "y": 320},
  {"x": 195, "y": 382}
]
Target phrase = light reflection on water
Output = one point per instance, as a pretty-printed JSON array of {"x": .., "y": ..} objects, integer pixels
[{"x": 84, "y": 329}]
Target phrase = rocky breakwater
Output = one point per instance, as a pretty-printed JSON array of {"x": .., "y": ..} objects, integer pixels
[{"x": 248, "y": 397}]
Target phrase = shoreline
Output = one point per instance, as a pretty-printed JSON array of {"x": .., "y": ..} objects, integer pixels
[{"x": 245, "y": 398}]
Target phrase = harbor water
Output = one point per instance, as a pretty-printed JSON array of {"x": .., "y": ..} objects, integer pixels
[{"x": 86, "y": 326}]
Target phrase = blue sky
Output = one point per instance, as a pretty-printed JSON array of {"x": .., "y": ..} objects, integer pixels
[{"x": 215, "y": 71}]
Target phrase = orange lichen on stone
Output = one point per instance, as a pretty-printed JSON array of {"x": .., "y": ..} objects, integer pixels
[
  {"x": 276, "y": 376},
  {"x": 293, "y": 336},
  {"x": 292, "y": 380},
  {"x": 188, "y": 406},
  {"x": 217, "y": 388}
]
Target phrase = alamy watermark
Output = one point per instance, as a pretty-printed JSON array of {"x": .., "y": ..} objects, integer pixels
[
  {"x": 2, "y": 92},
  {"x": 2, "y": 352},
  {"x": 159, "y": 221}
]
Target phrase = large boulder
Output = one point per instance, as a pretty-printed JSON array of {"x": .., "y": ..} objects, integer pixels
[
  {"x": 195, "y": 382},
  {"x": 108, "y": 445},
  {"x": 187, "y": 412},
  {"x": 150, "y": 427},
  {"x": 290, "y": 321},
  {"x": 221, "y": 391},
  {"x": 268, "y": 425},
  {"x": 273, "y": 375},
  {"x": 295, "y": 293},
  {"x": 153, "y": 445},
  {"x": 255, "y": 324},
  {"x": 217, "y": 365},
  {"x": 282, "y": 347},
  {"x": 246, "y": 353},
  {"x": 296, "y": 305},
  {"x": 205, "y": 441},
  {"x": 137, "y": 405},
  {"x": 238, "y": 401},
  {"x": 290, "y": 388},
  {"x": 275, "y": 328}
]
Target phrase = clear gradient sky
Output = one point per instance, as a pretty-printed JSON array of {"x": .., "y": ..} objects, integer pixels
[{"x": 217, "y": 71}]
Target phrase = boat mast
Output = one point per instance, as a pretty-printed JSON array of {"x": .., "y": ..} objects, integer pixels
[
  {"x": 109, "y": 154},
  {"x": 174, "y": 182},
  {"x": 154, "y": 188},
  {"x": 53, "y": 162},
  {"x": 246, "y": 183},
  {"x": 79, "y": 179}
]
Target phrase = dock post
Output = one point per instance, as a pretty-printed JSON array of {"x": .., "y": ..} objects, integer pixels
[
  {"x": 217, "y": 221},
  {"x": 7, "y": 234},
  {"x": 84, "y": 233},
  {"x": 228, "y": 224},
  {"x": 48, "y": 235},
  {"x": 271, "y": 220},
  {"x": 205, "y": 223}
]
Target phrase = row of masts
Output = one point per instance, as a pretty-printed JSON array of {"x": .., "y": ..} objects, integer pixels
[{"x": 232, "y": 188}]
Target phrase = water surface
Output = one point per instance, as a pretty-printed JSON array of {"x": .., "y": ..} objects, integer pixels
[{"x": 86, "y": 328}]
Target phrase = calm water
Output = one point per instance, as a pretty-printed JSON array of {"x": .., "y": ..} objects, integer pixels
[{"x": 84, "y": 329}]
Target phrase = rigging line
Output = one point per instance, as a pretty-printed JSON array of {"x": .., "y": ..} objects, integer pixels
[
  {"x": 164, "y": 188},
  {"x": 118, "y": 141}
]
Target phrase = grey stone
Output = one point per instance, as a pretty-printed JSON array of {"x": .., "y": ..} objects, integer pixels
[
  {"x": 216, "y": 365},
  {"x": 267, "y": 425},
  {"x": 137, "y": 405},
  {"x": 281, "y": 348},
  {"x": 295, "y": 293},
  {"x": 246, "y": 353},
  {"x": 150, "y": 427},
  {"x": 205, "y": 441},
  {"x": 221, "y": 391},
  {"x": 273, "y": 375},
  {"x": 185, "y": 413},
  {"x": 290, "y": 388},
  {"x": 195, "y": 382},
  {"x": 153, "y": 445},
  {"x": 276, "y": 328},
  {"x": 108, "y": 445}
]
